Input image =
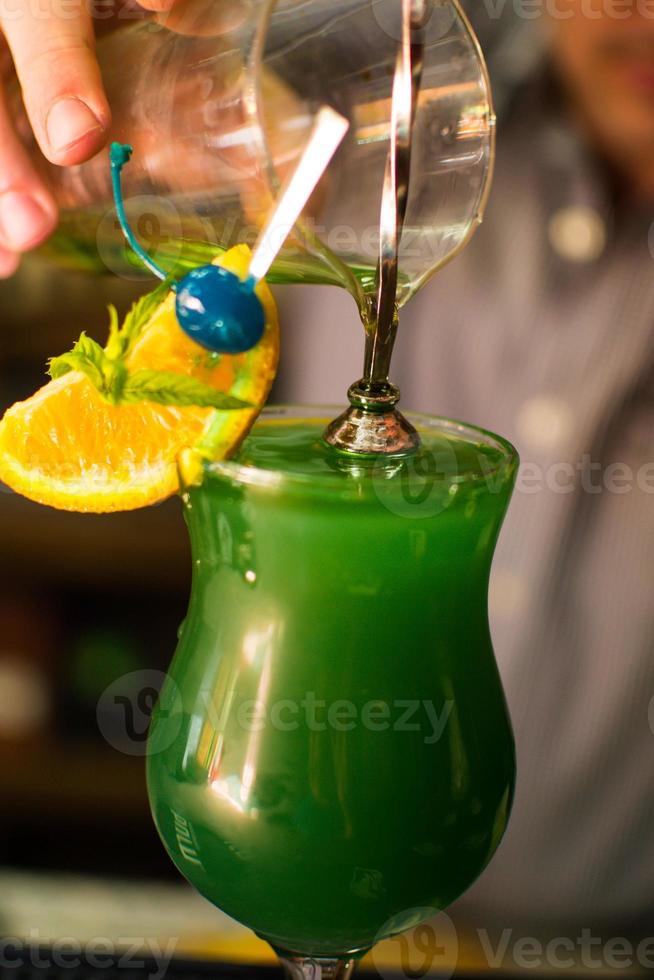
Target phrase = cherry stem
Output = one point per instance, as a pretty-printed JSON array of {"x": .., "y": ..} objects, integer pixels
[{"x": 119, "y": 155}]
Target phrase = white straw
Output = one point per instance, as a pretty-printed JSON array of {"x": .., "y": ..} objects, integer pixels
[{"x": 327, "y": 134}]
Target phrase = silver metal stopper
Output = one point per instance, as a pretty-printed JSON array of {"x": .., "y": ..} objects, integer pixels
[{"x": 373, "y": 424}]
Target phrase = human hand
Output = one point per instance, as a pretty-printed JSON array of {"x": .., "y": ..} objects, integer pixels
[{"x": 50, "y": 46}]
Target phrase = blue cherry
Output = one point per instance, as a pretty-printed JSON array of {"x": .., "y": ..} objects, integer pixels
[
  {"x": 219, "y": 310},
  {"x": 213, "y": 306}
]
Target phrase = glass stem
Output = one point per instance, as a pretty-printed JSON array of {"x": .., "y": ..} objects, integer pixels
[{"x": 317, "y": 968}]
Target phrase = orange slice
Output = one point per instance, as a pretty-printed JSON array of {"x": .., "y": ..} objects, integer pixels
[{"x": 70, "y": 449}]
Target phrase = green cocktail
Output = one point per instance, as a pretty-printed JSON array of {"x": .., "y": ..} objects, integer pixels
[{"x": 332, "y": 749}]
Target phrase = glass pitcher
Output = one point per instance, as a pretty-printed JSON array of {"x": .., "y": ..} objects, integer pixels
[{"x": 218, "y": 100}]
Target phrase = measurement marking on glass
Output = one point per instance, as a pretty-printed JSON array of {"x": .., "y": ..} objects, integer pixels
[{"x": 185, "y": 841}]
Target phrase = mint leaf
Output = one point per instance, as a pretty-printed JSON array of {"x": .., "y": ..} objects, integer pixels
[
  {"x": 114, "y": 343},
  {"x": 140, "y": 313},
  {"x": 108, "y": 371},
  {"x": 107, "y": 374},
  {"x": 122, "y": 339},
  {"x": 86, "y": 356},
  {"x": 169, "y": 388},
  {"x": 58, "y": 366},
  {"x": 88, "y": 347},
  {"x": 115, "y": 378}
]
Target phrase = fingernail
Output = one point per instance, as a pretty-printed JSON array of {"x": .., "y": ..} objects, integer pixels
[
  {"x": 69, "y": 120},
  {"x": 22, "y": 220}
]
